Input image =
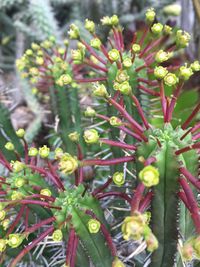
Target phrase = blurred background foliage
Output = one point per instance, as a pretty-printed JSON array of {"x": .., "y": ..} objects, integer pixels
[{"x": 25, "y": 21}]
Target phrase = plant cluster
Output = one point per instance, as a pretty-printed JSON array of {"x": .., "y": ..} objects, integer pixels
[{"x": 45, "y": 193}]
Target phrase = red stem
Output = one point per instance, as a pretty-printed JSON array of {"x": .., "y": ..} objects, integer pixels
[
  {"x": 114, "y": 194},
  {"x": 135, "y": 202},
  {"x": 117, "y": 144},
  {"x": 193, "y": 180},
  {"x": 190, "y": 118},
  {"x": 109, "y": 162}
]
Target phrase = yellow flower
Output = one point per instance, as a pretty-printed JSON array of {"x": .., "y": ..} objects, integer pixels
[
  {"x": 57, "y": 235},
  {"x": 91, "y": 136},
  {"x": 149, "y": 176},
  {"x": 68, "y": 164},
  {"x": 93, "y": 226}
]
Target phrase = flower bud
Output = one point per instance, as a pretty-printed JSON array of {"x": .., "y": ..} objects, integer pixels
[
  {"x": 106, "y": 21},
  {"x": 58, "y": 153},
  {"x": 64, "y": 79},
  {"x": 90, "y": 112},
  {"x": 20, "y": 133},
  {"x": 170, "y": 79},
  {"x": 182, "y": 38},
  {"x": 160, "y": 72},
  {"x": 118, "y": 178},
  {"x": 29, "y": 52},
  {"x": 94, "y": 226},
  {"x": 91, "y": 136},
  {"x": 196, "y": 246},
  {"x": 117, "y": 263},
  {"x": 32, "y": 152},
  {"x": 46, "y": 44},
  {"x": 68, "y": 164},
  {"x": 90, "y": 25},
  {"x": 9, "y": 146},
  {"x": 35, "y": 46},
  {"x": 17, "y": 166},
  {"x": 16, "y": 195},
  {"x": 149, "y": 176},
  {"x": 95, "y": 43},
  {"x": 19, "y": 182},
  {"x": 122, "y": 76},
  {"x": 66, "y": 42},
  {"x": 114, "y": 20},
  {"x": 5, "y": 223},
  {"x": 2, "y": 245},
  {"x": 74, "y": 32},
  {"x": 136, "y": 48},
  {"x": 115, "y": 121},
  {"x": 185, "y": 72},
  {"x": 187, "y": 252},
  {"x": 45, "y": 192},
  {"x": 150, "y": 15},
  {"x": 167, "y": 29},
  {"x": 15, "y": 240},
  {"x": 57, "y": 235},
  {"x": 125, "y": 88},
  {"x": 44, "y": 151},
  {"x": 2, "y": 215},
  {"x": 34, "y": 71},
  {"x": 100, "y": 90},
  {"x": 133, "y": 227},
  {"x": 74, "y": 137},
  {"x": 127, "y": 62},
  {"x": 152, "y": 242},
  {"x": 39, "y": 61},
  {"x": 77, "y": 56},
  {"x": 195, "y": 66},
  {"x": 113, "y": 54},
  {"x": 162, "y": 56},
  {"x": 157, "y": 28}
]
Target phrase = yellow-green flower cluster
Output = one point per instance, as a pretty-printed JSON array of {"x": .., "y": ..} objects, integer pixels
[
  {"x": 149, "y": 176},
  {"x": 121, "y": 82},
  {"x": 110, "y": 21},
  {"x": 14, "y": 241},
  {"x": 68, "y": 164},
  {"x": 91, "y": 136},
  {"x": 136, "y": 227}
]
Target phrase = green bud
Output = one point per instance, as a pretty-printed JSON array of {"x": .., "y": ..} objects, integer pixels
[
  {"x": 15, "y": 240},
  {"x": 2, "y": 245},
  {"x": 74, "y": 137},
  {"x": 44, "y": 151},
  {"x": 16, "y": 195},
  {"x": 127, "y": 62},
  {"x": 19, "y": 182},
  {"x": 182, "y": 38},
  {"x": 94, "y": 226},
  {"x": 66, "y": 42},
  {"x": 90, "y": 112},
  {"x": 114, "y": 20},
  {"x": 90, "y": 25},
  {"x": 91, "y": 136},
  {"x": 118, "y": 178},
  {"x": 58, "y": 153},
  {"x": 39, "y": 61},
  {"x": 32, "y": 152},
  {"x": 150, "y": 15},
  {"x": 185, "y": 73},
  {"x": 170, "y": 79},
  {"x": 77, "y": 56},
  {"x": 149, "y": 176},
  {"x": 125, "y": 88},
  {"x": 95, "y": 43},
  {"x": 136, "y": 48},
  {"x": 122, "y": 76},
  {"x": 68, "y": 164},
  {"x": 5, "y": 223},
  {"x": 162, "y": 56},
  {"x": 160, "y": 72},
  {"x": 9, "y": 146},
  {"x": 17, "y": 166},
  {"x": 20, "y": 133},
  {"x": 57, "y": 235},
  {"x": 117, "y": 263},
  {"x": 100, "y": 90},
  {"x": 73, "y": 32},
  {"x": 2, "y": 215},
  {"x": 157, "y": 28},
  {"x": 64, "y": 79},
  {"x": 152, "y": 242},
  {"x": 115, "y": 121},
  {"x": 35, "y": 46},
  {"x": 45, "y": 192},
  {"x": 195, "y": 66},
  {"x": 29, "y": 52},
  {"x": 167, "y": 29},
  {"x": 106, "y": 21},
  {"x": 113, "y": 54}
]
